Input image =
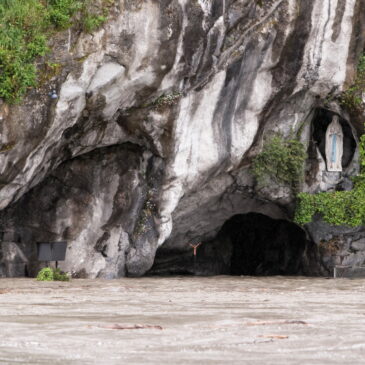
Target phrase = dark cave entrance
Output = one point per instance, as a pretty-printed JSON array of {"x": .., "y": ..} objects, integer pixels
[
  {"x": 264, "y": 246},
  {"x": 247, "y": 244},
  {"x": 321, "y": 120}
]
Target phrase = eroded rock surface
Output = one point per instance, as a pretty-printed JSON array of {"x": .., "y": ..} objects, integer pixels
[{"x": 158, "y": 117}]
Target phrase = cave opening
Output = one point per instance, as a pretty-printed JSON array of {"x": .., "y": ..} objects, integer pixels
[
  {"x": 251, "y": 244},
  {"x": 264, "y": 246}
]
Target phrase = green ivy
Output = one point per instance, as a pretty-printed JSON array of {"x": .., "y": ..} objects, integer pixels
[
  {"x": 25, "y": 26},
  {"x": 281, "y": 161}
]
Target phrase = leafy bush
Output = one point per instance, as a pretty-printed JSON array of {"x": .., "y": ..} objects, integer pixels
[
  {"x": 337, "y": 207},
  {"x": 46, "y": 274},
  {"x": 49, "y": 274},
  {"x": 24, "y": 28},
  {"x": 59, "y": 275},
  {"x": 281, "y": 161}
]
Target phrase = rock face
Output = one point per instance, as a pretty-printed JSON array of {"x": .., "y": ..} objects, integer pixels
[
  {"x": 247, "y": 244},
  {"x": 158, "y": 117},
  {"x": 339, "y": 246}
]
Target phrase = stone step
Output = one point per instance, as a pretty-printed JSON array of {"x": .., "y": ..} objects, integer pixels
[{"x": 341, "y": 271}]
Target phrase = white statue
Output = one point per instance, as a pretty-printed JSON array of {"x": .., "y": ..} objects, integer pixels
[{"x": 334, "y": 145}]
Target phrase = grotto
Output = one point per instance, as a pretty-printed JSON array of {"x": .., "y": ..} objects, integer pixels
[
  {"x": 150, "y": 143},
  {"x": 247, "y": 244},
  {"x": 321, "y": 120},
  {"x": 202, "y": 163}
]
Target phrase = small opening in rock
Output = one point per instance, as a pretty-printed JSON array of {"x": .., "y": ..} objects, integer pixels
[{"x": 322, "y": 119}]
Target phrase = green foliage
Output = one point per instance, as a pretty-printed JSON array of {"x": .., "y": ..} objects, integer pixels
[
  {"x": 61, "y": 11},
  {"x": 92, "y": 22},
  {"x": 49, "y": 274},
  {"x": 337, "y": 207},
  {"x": 59, "y": 275},
  {"x": 46, "y": 274},
  {"x": 281, "y": 161},
  {"x": 352, "y": 97},
  {"x": 167, "y": 100},
  {"x": 25, "y": 26},
  {"x": 22, "y": 39}
]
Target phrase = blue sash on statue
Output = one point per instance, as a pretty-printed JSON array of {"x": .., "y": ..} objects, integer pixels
[{"x": 334, "y": 148}]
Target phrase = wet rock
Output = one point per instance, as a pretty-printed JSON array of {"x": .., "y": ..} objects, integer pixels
[
  {"x": 339, "y": 245},
  {"x": 94, "y": 203},
  {"x": 13, "y": 262},
  {"x": 358, "y": 245},
  {"x": 196, "y": 87}
]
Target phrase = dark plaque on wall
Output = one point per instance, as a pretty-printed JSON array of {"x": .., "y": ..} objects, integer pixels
[{"x": 51, "y": 251}]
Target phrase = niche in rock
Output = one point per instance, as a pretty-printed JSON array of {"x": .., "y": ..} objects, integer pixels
[
  {"x": 323, "y": 118},
  {"x": 247, "y": 244}
]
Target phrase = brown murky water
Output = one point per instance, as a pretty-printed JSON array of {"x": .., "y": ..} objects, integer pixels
[{"x": 216, "y": 320}]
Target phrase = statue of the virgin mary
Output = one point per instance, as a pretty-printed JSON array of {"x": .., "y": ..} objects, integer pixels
[{"x": 334, "y": 145}]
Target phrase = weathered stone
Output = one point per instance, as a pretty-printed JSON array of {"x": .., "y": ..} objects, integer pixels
[
  {"x": 159, "y": 115},
  {"x": 13, "y": 262},
  {"x": 358, "y": 245},
  {"x": 94, "y": 202},
  {"x": 339, "y": 245}
]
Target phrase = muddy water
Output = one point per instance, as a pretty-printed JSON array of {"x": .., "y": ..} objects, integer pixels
[{"x": 217, "y": 320}]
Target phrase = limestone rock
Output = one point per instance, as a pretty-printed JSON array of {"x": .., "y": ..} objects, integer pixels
[
  {"x": 13, "y": 262},
  {"x": 158, "y": 118}
]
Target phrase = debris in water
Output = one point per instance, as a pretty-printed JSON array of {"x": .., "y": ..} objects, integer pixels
[
  {"x": 267, "y": 323},
  {"x": 279, "y": 337},
  {"x": 130, "y": 327}
]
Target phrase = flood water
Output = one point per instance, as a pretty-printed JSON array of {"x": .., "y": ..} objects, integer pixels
[{"x": 216, "y": 320}]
